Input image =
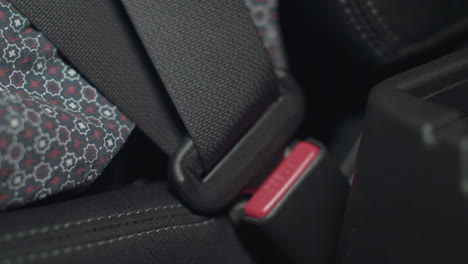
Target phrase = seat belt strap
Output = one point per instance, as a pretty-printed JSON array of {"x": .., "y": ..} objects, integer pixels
[{"x": 212, "y": 62}]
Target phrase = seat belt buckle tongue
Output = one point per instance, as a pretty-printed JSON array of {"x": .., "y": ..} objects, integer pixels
[
  {"x": 251, "y": 158},
  {"x": 296, "y": 214}
]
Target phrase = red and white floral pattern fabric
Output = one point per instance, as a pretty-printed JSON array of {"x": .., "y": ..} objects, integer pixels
[{"x": 57, "y": 131}]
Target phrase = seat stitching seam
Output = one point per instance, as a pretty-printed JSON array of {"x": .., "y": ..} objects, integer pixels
[
  {"x": 42, "y": 230},
  {"x": 62, "y": 251}
]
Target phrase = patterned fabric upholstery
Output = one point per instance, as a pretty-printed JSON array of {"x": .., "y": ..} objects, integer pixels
[{"x": 57, "y": 131}]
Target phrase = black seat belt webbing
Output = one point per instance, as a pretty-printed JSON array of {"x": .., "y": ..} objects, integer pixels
[{"x": 213, "y": 65}]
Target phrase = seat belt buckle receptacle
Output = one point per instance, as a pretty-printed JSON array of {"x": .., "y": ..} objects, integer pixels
[{"x": 295, "y": 215}]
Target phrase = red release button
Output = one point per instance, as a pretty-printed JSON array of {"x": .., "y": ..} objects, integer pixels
[{"x": 280, "y": 181}]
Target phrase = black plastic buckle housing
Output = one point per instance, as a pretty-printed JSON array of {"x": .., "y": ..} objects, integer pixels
[
  {"x": 304, "y": 226},
  {"x": 250, "y": 158}
]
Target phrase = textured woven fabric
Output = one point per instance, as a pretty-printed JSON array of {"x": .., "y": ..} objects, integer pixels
[
  {"x": 57, "y": 131},
  {"x": 213, "y": 65},
  {"x": 265, "y": 16}
]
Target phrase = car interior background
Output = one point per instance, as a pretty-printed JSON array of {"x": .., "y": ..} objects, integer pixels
[{"x": 106, "y": 111}]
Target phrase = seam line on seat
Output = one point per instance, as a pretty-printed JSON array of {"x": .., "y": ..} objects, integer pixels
[
  {"x": 57, "y": 236},
  {"x": 62, "y": 251},
  {"x": 45, "y": 229}
]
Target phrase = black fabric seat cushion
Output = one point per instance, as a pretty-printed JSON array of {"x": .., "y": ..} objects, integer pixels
[{"x": 136, "y": 224}]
